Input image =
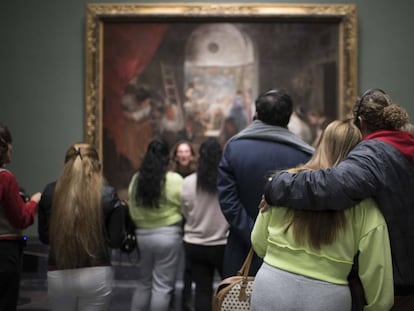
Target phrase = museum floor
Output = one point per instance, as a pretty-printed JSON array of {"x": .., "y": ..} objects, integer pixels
[{"x": 33, "y": 288}]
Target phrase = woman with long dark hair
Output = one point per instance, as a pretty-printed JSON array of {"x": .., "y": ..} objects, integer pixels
[
  {"x": 206, "y": 229},
  {"x": 154, "y": 205}
]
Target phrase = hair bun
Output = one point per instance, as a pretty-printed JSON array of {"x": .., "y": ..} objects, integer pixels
[{"x": 395, "y": 116}]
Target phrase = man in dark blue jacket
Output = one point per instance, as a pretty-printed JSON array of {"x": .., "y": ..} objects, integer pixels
[
  {"x": 382, "y": 167},
  {"x": 248, "y": 158}
]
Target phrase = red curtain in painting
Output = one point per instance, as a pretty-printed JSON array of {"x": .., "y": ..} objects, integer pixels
[{"x": 128, "y": 48}]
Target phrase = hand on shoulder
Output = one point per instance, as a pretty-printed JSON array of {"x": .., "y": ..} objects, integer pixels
[{"x": 263, "y": 206}]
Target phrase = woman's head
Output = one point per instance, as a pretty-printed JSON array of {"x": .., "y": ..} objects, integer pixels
[
  {"x": 157, "y": 150},
  {"x": 183, "y": 153},
  {"x": 152, "y": 173},
  {"x": 6, "y": 147},
  {"x": 86, "y": 152},
  {"x": 375, "y": 111},
  {"x": 337, "y": 140},
  {"x": 209, "y": 158},
  {"x": 183, "y": 158},
  {"x": 76, "y": 217}
]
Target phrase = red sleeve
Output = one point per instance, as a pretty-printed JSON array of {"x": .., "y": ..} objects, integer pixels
[{"x": 19, "y": 214}]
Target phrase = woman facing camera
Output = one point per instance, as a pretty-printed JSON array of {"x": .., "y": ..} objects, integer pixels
[
  {"x": 183, "y": 158},
  {"x": 308, "y": 255}
]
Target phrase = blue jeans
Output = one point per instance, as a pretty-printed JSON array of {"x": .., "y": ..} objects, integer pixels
[
  {"x": 160, "y": 250},
  {"x": 83, "y": 289}
]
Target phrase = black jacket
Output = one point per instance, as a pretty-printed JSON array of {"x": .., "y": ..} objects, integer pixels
[
  {"x": 113, "y": 212},
  {"x": 375, "y": 168},
  {"x": 243, "y": 169}
]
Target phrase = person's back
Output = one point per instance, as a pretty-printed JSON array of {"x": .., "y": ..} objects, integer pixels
[
  {"x": 72, "y": 214},
  {"x": 365, "y": 231},
  {"x": 312, "y": 252},
  {"x": 155, "y": 208},
  {"x": 264, "y": 146},
  {"x": 382, "y": 167},
  {"x": 205, "y": 229},
  {"x": 254, "y": 160}
]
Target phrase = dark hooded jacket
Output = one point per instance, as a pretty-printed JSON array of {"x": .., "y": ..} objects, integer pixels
[
  {"x": 382, "y": 167},
  {"x": 248, "y": 158}
]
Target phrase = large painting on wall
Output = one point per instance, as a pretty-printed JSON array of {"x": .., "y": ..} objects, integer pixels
[{"x": 192, "y": 71}]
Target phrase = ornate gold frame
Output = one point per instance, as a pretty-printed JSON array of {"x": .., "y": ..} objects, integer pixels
[{"x": 98, "y": 14}]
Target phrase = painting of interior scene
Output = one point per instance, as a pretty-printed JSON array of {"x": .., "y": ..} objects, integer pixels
[{"x": 191, "y": 80}]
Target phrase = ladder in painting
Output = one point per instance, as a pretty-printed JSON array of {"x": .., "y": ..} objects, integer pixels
[{"x": 170, "y": 85}]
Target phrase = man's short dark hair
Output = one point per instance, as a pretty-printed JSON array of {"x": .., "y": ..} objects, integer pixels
[{"x": 274, "y": 107}]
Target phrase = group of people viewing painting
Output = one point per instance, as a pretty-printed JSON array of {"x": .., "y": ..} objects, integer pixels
[{"x": 331, "y": 227}]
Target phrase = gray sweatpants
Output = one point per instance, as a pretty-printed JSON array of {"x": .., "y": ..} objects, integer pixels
[
  {"x": 83, "y": 289},
  {"x": 275, "y": 289},
  {"x": 160, "y": 250}
]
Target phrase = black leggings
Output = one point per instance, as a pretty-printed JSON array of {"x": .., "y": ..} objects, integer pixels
[
  {"x": 204, "y": 261},
  {"x": 10, "y": 269}
]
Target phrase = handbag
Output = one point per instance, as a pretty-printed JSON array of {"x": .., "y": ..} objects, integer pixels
[
  {"x": 121, "y": 230},
  {"x": 130, "y": 243},
  {"x": 233, "y": 293}
]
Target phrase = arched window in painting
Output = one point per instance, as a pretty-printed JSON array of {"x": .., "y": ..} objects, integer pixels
[{"x": 220, "y": 74}]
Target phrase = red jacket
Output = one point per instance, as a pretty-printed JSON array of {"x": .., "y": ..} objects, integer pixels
[{"x": 15, "y": 214}]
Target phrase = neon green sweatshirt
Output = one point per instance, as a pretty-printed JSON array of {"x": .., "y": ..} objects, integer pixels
[
  {"x": 365, "y": 230},
  {"x": 169, "y": 210}
]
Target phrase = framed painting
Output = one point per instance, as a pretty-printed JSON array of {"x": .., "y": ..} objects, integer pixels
[{"x": 190, "y": 71}]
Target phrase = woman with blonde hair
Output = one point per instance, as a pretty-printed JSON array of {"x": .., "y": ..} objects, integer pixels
[
  {"x": 72, "y": 216},
  {"x": 382, "y": 167},
  {"x": 308, "y": 255}
]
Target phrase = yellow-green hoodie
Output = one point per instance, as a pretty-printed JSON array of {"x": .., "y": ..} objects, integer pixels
[
  {"x": 365, "y": 231},
  {"x": 169, "y": 210}
]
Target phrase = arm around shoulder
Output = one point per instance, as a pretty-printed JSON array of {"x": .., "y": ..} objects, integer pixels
[{"x": 336, "y": 188}]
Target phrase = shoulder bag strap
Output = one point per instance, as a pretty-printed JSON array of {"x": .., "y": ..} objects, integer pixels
[{"x": 244, "y": 272}]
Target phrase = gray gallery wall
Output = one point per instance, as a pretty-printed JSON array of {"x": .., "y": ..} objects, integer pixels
[{"x": 42, "y": 73}]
